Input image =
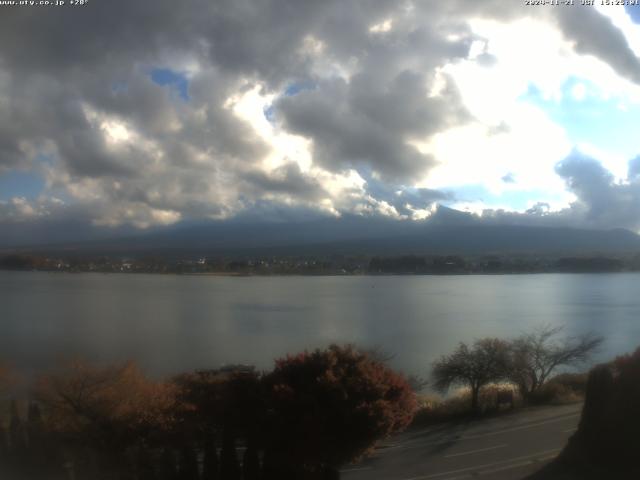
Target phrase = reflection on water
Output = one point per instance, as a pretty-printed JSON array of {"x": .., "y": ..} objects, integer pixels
[{"x": 173, "y": 323}]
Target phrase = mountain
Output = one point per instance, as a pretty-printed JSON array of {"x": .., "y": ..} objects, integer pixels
[{"x": 357, "y": 236}]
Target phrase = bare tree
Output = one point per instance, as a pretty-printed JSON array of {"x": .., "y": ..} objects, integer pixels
[
  {"x": 379, "y": 354},
  {"x": 417, "y": 383},
  {"x": 476, "y": 366},
  {"x": 535, "y": 356}
]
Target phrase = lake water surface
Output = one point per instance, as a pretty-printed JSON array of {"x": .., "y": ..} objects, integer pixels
[{"x": 172, "y": 323}]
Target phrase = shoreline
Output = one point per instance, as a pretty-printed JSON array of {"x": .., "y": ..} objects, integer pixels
[{"x": 363, "y": 274}]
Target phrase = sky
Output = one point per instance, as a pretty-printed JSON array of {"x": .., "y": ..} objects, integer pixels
[{"x": 143, "y": 114}]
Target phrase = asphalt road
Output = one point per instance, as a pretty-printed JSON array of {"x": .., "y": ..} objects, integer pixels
[{"x": 508, "y": 447}]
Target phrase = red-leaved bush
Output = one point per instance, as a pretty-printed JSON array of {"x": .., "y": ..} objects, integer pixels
[{"x": 328, "y": 407}]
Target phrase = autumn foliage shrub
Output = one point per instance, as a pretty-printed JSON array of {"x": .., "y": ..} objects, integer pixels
[
  {"x": 313, "y": 413},
  {"x": 210, "y": 400},
  {"x": 110, "y": 407},
  {"x": 328, "y": 407}
]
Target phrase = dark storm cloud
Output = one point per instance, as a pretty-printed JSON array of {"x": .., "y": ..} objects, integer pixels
[
  {"x": 404, "y": 199},
  {"x": 602, "y": 201},
  {"x": 239, "y": 36},
  {"x": 67, "y": 75},
  {"x": 634, "y": 168},
  {"x": 590, "y": 181},
  {"x": 90, "y": 66},
  {"x": 595, "y": 34},
  {"x": 288, "y": 180},
  {"x": 370, "y": 120},
  {"x": 367, "y": 124}
]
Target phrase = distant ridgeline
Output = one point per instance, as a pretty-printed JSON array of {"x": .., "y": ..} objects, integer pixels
[
  {"x": 332, "y": 247},
  {"x": 329, "y": 265}
]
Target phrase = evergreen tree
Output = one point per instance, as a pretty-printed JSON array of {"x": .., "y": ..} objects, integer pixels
[
  {"x": 251, "y": 462},
  {"x": 16, "y": 429},
  {"x": 275, "y": 467},
  {"x": 168, "y": 470},
  {"x": 36, "y": 434},
  {"x": 229, "y": 467},
  {"x": 17, "y": 443},
  {"x": 210, "y": 467},
  {"x": 36, "y": 462},
  {"x": 144, "y": 464},
  {"x": 4, "y": 452},
  {"x": 188, "y": 463}
]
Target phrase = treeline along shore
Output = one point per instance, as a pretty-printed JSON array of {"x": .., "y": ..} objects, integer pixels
[{"x": 326, "y": 265}]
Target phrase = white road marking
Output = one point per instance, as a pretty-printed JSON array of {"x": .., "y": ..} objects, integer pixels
[
  {"x": 568, "y": 430},
  {"x": 470, "y": 452},
  {"x": 489, "y": 434},
  {"x": 515, "y": 461},
  {"x": 518, "y": 465},
  {"x": 355, "y": 469}
]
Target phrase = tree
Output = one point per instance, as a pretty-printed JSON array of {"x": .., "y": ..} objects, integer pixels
[
  {"x": 251, "y": 462},
  {"x": 535, "y": 356},
  {"x": 214, "y": 399},
  {"x": 41, "y": 454},
  {"x": 210, "y": 460},
  {"x": 100, "y": 414},
  {"x": 17, "y": 433},
  {"x": 329, "y": 407},
  {"x": 4, "y": 450},
  {"x": 168, "y": 468},
  {"x": 144, "y": 464},
  {"x": 188, "y": 463},
  {"x": 476, "y": 366},
  {"x": 6, "y": 380},
  {"x": 229, "y": 465},
  {"x": 109, "y": 408}
]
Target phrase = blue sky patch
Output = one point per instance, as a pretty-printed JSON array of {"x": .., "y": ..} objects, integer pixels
[
  {"x": 634, "y": 12},
  {"x": 512, "y": 199},
  {"x": 297, "y": 87},
  {"x": 270, "y": 113},
  {"x": 20, "y": 184},
  {"x": 291, "y": 90},
  {"x": 607, "y": 124},
  {"x": 178, "y": 82}
]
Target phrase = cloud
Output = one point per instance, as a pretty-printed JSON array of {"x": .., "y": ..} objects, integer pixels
[
  {"x": 155, "y": 114},
  {"x": 609, "y": 44},
  {"x": 602, "y": 201},
  {"x": 97, "y": 92},
  {"x": 363, "y": 124},
  {"x": 288, "y": 180},
  {"x": 370, "y": 119}
]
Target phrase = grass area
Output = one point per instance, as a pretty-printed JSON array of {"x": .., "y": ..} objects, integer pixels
[{"x": 434, "y": 409}]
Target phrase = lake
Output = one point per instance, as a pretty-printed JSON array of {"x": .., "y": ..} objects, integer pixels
[{"x": 172, "y": 323}]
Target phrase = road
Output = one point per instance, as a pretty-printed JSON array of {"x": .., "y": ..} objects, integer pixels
[{"x": 507, "y": 447}]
